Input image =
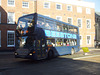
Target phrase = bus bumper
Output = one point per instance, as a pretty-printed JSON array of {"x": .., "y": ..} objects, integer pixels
[{"x": 28, "y": 56}]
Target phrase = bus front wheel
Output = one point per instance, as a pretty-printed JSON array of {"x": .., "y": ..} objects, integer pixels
[
  {"x": 50, "y": 54},
  {"x": 72, "y": 51}
]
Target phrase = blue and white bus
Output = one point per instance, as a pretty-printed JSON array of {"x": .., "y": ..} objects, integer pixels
[{"x": 40, "y": 37}]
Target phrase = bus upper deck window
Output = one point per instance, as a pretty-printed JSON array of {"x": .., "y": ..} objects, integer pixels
[
  {"x": 58, "y": 27},
  {"x": 40, "y": 22},
  {"x": 75, "y": 30},
  {"x": 65, "y": 28},
  {"x": 71, "y": 29},
  {"x": 47, "y": 26}
]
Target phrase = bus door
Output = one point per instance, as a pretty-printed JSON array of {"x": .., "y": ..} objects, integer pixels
[
  {"x": 43, "y": 48},
  {"x": 39, "y": 48}
]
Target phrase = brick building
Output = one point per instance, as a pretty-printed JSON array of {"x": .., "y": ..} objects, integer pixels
[
  {"x": 10, "y": 11},
  {"x": 76, "y": 12}
]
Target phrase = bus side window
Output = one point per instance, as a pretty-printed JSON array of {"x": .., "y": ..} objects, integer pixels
[
  {"x": 51, "y": 42},
  {"x": 59, "y": 42},
  {"x": 66, "y": 42},
  {"x": 40, "y": 22},
  {"x": 71, "y": 29},
  {"x": 47, "y": 26},
  {"x": 75, "y": 30},
  {"x": 59, "y": 28},
  {"x": 75, "y": 42},
  {"x": 65, "y": 28}
]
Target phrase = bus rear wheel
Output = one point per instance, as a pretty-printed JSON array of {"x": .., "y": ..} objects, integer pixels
[
  {"x": 50, "y": 54},
  {"x": 72, "y": 51}
]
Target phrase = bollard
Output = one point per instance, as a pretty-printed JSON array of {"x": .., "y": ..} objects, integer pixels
[{"x": 85, "y": 50}]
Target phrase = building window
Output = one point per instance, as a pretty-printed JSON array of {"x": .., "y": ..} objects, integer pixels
[
  {"x": 0, "y": 2},
  {"x": 88, "y": 23},
  {"x": 0, "y": 17},
  {"x": 11, "y": 18},
  {"x": 88, "y": 39},
  {"x": 11, "y": 2},
  {"x": 58, "y": 6},
  {"x": 10, "y": 38},
  {"x": 69, "y": 20},
  {"x": 59, "y": 18},
  {"x": 79, "y": 22},
  {"x": 46, "y": 5},
  {"x": 79, "y": 9},
  {"x": 25, "y": 4},
  {"x": 88, "y": 11},
  {"x": 80, "y": 39},
  {"x": 69, "y": 8},
  {"x": 0, "y": 38}
]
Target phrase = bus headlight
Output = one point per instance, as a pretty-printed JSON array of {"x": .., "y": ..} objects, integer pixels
[
  {"x": 16, "y": 53},
  {"x": 30, "y": 54}
]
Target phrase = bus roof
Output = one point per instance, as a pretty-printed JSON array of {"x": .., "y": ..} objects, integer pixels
[{"x": 48, "y": 18}]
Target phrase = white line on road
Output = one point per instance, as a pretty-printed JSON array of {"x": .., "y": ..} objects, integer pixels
[{"x": 85, "y": 57}]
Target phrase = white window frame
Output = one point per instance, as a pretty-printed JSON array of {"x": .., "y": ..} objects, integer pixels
[
  {"x": 0, "y": 38},
  {"x": 71, "y": 18},
  {"x": 90, "y": 23},
  {"x": 79, "y": 9},
  {"x": 47, "y": 6},
  {"x": 60, "y": 6},
  {"x": 23, "y": 4},
  {"x": 59, "y": 17},
  {"x": 10, "y": 31},
  {"x": 13, "y": 18},
  {"x": 89, "y": 41},
  {"x": 10, "y": 5},
  {"x": 70, "y": 9},
  {"x": 0, "y": 2},
  {"x": 0, "y": 17},
  {"x": 81, "y": 22},
  {"x": 81, "y": 40},
  {"x": 88, "y": 11}
]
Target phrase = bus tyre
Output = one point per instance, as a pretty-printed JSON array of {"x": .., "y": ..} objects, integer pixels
[
  {"x": 72, "y": 51},
  {"x": 50, "y": 54}
]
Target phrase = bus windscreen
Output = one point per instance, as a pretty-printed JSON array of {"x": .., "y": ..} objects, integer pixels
[{"x": 25, "y": 22}]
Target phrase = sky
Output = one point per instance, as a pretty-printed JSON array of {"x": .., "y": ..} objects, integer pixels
[{"x": 97, "y": 4}]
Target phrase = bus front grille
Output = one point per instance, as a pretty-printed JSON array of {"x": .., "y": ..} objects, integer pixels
[{"x": 22, "y": 51}]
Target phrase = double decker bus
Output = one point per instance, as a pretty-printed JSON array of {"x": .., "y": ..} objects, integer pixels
[{"x": 40, "y": 37}]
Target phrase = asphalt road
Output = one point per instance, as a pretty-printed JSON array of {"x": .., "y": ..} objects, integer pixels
[{"x": 76, "y": 64}]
